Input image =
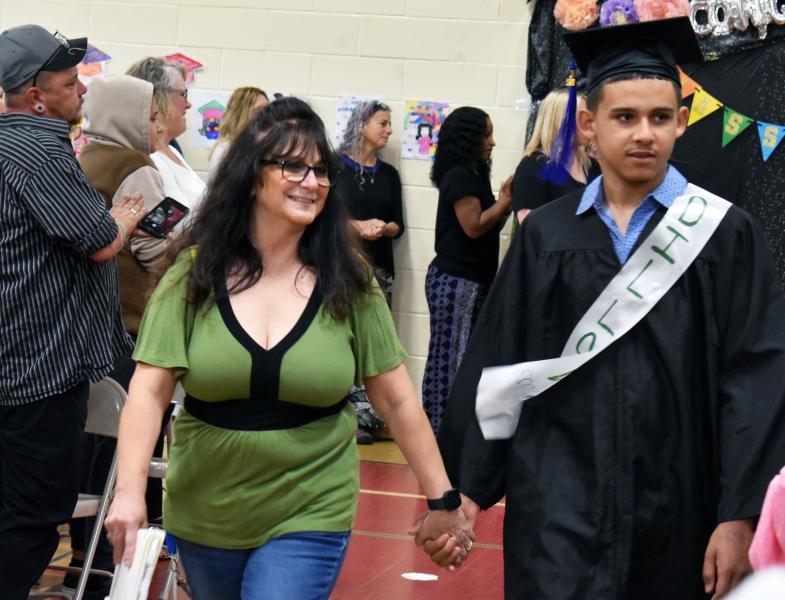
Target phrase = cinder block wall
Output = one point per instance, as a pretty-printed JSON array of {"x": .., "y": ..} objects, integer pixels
[{"x": 465, "y": 52}]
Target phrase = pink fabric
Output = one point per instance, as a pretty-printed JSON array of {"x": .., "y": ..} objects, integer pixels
[{"x": 768, "y": 545}]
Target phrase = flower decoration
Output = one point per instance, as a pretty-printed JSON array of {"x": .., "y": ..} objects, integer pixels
[
  {"x": 652, "y": 10},
  {"x": 576, "y": 14},
  {"x": 618, "y": 12}
]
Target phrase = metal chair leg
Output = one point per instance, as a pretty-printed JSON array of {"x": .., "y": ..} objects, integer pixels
[{"x": 99, "y": 525}]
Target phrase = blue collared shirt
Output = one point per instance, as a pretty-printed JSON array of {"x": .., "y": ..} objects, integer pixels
[{"x": 671, "y": 188}]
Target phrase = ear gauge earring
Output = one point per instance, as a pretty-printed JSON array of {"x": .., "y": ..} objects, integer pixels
[{"x": 39, "y": 108}]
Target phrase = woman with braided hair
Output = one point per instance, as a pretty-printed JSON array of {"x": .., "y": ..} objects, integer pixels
[{"x": 468, "y": 221}]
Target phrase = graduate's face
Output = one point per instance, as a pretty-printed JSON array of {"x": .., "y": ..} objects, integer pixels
[{"x": 634, "y": 128}]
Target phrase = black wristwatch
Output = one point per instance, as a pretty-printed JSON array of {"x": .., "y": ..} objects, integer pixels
[{"x": 450, "y": 501}]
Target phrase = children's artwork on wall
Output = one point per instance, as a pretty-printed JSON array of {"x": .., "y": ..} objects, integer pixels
[
  {"x": 346, "y": 105},
  {"x": 93, "y": 64},
  {"x": 206, "y": 115},
  {"x": 421, "y": 124},
  {"x": 190, "y": 65}
]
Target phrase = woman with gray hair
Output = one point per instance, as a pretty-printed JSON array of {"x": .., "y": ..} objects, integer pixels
[
  {"x": 180, "y": 181},
  {"x": 372, "y": 188}
]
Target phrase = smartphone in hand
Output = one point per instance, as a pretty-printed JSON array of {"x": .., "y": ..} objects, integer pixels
[{"x": 163, "y": 218}]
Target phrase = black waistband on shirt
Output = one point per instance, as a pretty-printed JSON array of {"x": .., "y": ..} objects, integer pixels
[{"x": 246, "y": 414}]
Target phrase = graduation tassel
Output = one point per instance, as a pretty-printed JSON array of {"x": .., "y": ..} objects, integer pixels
[{"x": 556, "y": 169}]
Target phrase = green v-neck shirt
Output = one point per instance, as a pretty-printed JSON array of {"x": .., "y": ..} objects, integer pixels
[{"x": 229, "y": 488}]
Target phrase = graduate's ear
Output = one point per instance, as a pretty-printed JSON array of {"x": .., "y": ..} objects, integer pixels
[
  {"x": 681, "y": 121},
  {"x": 586, "y": 123}
]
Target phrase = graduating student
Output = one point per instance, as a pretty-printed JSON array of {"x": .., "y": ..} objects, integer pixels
[{"x": 640, "y": 415}]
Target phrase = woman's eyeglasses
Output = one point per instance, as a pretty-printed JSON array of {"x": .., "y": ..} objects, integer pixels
[
  {"x": 297, "y": 172},
  {"x": 182, "y": 92}
]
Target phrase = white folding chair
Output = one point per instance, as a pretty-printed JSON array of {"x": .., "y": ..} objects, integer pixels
[{"x": 104, "y": 404}]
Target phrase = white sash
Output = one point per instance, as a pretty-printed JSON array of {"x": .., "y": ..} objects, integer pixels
[{"x": 649, "y": 273}]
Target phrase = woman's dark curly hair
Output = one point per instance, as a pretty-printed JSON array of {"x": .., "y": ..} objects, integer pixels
[
  {"x": 287, "y": 129},
  {"x": 461, "y": 143}
]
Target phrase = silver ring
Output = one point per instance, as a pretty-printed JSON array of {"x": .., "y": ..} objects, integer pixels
[
  {"x": 109, "y": 537},
  {"x": 133, "y": 210}
]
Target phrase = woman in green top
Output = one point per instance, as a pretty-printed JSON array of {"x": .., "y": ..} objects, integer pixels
[{"x": 267, "y": 317}]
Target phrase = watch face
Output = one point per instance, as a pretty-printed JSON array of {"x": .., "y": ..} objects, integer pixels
[{"x": 452, "y": 499}]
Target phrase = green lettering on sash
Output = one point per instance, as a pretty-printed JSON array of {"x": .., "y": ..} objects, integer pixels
[
  {"x": 629, "y": 287},
  {"x": 686, "y": 208},
  {"x": 664, "y": 252},
  {"x": 559, "y": 377},
  {"x": 603, "y": 325},
  {"x": 591, "y": 346}
]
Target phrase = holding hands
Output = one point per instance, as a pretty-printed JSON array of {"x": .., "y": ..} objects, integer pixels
[{"x": 447, "y": 536}]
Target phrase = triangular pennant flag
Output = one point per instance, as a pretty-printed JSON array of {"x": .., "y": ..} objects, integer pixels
[
  {"x": 703, "y": 104},
  {"x": 734, "y": 124},
  {"x": 688, "y": 84},
  {"x": 770, "y": 137}
]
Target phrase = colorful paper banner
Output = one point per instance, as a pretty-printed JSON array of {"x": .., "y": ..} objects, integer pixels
[
  {"x": 688, "y": 84},
  {"x": 703, "y": 104},
  {"x": 734, "y": 123},
  {"x": 770, "y": 137}
]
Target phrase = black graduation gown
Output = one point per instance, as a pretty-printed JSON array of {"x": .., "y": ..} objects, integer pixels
[{"x": 617, "y": 475}]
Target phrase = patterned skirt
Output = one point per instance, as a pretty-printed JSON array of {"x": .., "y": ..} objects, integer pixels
[{"x": 454, "y": 304}]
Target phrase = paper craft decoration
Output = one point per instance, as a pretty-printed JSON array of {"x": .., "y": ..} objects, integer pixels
[
  {"x": 208, "y": 110},
  {"x": 190, "y": 65},
  {"x": 703, "y": 104},
  {"x": 733, "y": 124},
  {"x": 93, "y": 65},
  {"x": 346, "y": 105},
  {"x": 770, "y": 137},
  {"x": 212, "y": 113},
  {"x": 421, "y": 125},
  {"x": 688, "y": 84}
]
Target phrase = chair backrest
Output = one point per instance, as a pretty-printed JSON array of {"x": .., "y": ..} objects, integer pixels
[{"x": 104, "y": 404}]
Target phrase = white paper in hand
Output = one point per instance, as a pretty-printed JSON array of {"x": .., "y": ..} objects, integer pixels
[{"x": 133, "y": 583}]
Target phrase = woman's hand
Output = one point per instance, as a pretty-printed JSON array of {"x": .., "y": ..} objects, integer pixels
[
  {"x": 127, "y": 515},
  {"x": 129, "y": 211},
  {"x": 372, "y": 229},
  {"x": 505, "y": 195},
  {"x": 445, "y": 535}
]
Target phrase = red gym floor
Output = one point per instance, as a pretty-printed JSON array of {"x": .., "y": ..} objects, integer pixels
[{"x": 380, "y": 551}]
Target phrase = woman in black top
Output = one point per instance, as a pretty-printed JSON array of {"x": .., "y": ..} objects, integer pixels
[
  {"x": 468, "y": 221},
  {"x": 529, "y": 189},
  {"x": 372, "y": 187}
]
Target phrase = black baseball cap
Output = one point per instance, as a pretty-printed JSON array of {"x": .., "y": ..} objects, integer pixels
[
  {"x": 651, "y": 47},
  {"x": 27, "y": 50}
]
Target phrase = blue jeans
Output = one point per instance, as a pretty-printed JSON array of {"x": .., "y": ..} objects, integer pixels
[{"x": 302, "y": 565}]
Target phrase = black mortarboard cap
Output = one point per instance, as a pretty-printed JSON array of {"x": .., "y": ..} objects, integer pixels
[{"x": 651, "y": 48}]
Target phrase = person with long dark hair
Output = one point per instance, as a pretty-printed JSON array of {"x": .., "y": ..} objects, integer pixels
[
  {"x": 267, "y": 317},
  {"x": 468, "y": 221}
]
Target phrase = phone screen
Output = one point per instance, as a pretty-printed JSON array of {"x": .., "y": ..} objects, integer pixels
[{"x": 163, "y": 217}]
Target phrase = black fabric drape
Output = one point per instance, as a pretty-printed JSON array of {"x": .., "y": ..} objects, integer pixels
[{"x": 752, "y": 83}]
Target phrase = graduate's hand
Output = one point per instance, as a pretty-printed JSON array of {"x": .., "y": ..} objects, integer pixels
[
  {"x": 727, "y": 561},
  {"x": 447, "y": 551}
]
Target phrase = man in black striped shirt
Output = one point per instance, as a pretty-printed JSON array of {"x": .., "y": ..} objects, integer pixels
[{"x": 60, "y": 322}]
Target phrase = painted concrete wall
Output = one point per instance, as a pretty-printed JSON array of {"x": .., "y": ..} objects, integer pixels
[{"x": 464, "y": 52}]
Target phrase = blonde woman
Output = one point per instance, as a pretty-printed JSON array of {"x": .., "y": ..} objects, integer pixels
[
  {"x": 243, "y": 105},
  {"x": 180, "y": 181},
  {"x": 529, "y": 189}
]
